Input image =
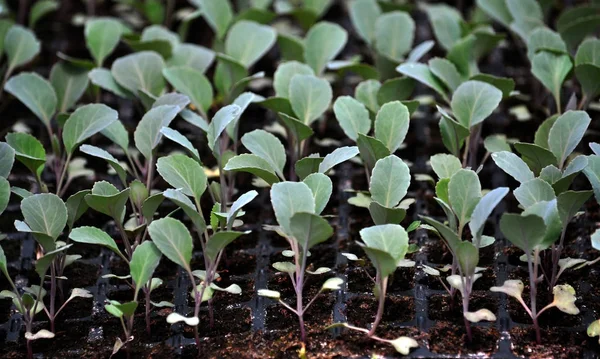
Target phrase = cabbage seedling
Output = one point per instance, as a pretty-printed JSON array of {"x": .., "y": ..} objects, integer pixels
[{"x": 297, "y": 208}]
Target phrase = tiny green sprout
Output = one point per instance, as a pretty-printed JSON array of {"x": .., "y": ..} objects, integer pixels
[{"x": 295, "y": 206}]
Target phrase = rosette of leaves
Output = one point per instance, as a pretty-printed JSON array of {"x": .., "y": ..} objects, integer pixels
[
  {"x": 297, "y": 207},
  {"x": 459, "y": 195},
  {"x": 527, "y": 231}
]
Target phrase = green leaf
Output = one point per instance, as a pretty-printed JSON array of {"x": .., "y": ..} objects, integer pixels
[
  {"x": 172, "y": 98},
  {"x": 496, "y": 10},
  {"x": 421, "y": 73},
  {"x": 3, "y": 263},
  {"x": 76, "y": 207},
  {"x": 28, "y": 150},
  {"x": 577, "y": 22},
  {"x": 173, "y": 239},
  {"x": 106, "y": 198},
  {"x": 45, "y": 213},
  {"x": 40, "y": 9},
  {"x": 289, "y": 198},
  {"x": 192, "y": 56},
  {"x": 533, "y": 191},
  {"x": 592, "y": 172},
  {"x": 7, "y": 158},
  {"x": 483, "y": 210},
  {"x": 389, "y": 181},
  {"x": 446, "y": 72},
  {"x": 496, "y": 143},
  {"x": 352, "y": 116},
  {"x": 191, "y": 83},
  {"x": 93, "y": 235},
  {"x": 384, "y": 215},
  {"x": 323, "y": 43},
  {"x": 143, "y": 263},
  {"x": 310, "y": 97},
  {"x": 367, "y": 93},
  {"x": 5, "y": 25},
  {"x": 453, "y": 134},
  {"x": 85, "y": 122},
  {"x": 104, "y": 79},
  {"x": 69, "y": 83},
  {"x": 387, "y": 27},
  {"x": 102, "y": 36},
  {"x": 474, "y": 101},
  {"x": 552, "y": 70},
  {"x": 506, "y": 85},
  {"x": 150, "y": 205},
  {"x": 390, "y": 239},
  {"x": 140, "y": 71},
  {"x": 238, "y": 204},
  {"x": 298, "y": 130},
  {"x": 535, "y": 156},
  {"x": 194, "y": 119},
  {"x": 464, "y": 192},
  {"x": 525, "y": 232},
  {"x": 444, "y": 165},
  {"x": 396, "y": 89},
  {"x": 391, "y": 125},
  {"x": 218, "y": 124},
  {"x": 321, "y": 187},
  {"x": 548, "y": 211},
  {"x": 446, "y": 23},
  {"x": 36, "y": 93},
  {"x": 268, "y": 147},
  {"x": 544, "y": 39},
  {"x": 587, "y": 66},
  {"x": 468, "y": 258},
  {"x": 513, "y": 165},
  {"x": 291, "y": 47},
  {"x": 5, "y": 194},
  {"x": 20, "y": 45},
  {"x": 177, "y": 137},
  {"x": 336, "y": 157},
  {"x": 543, "y": 131},
  {"x": 308, "y": 165},
  {"x": 183, "y": 172},
  {"x": 147, "y": 135},
  {"x": 569, "y": 203},
  {"x": 284, "y": 74},
  {"x": 248, "y": 41},
  {"x": 309, "y": 229},
  {"x": 566, "y": 133},
  {"x": 159, "y": 32},
  {"x": 43, "y": 264},
  {"x": 364, "y": 14},
  {"x": 218, "y": 242},
  {"x": 252, "y": 164},
  {"x": 177, "y": 197},
  {"x": 371, "y": 150},
  {"x": 218, "y": 14}
]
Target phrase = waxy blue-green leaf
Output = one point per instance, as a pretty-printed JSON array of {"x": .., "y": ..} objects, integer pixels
[
  {"x": 544, "y": 39},
  {"x": 296, "y": 129},
  {"x": 587, "y": 66},
  {"x": 172, "y": 98},
  {"x": 191, "y": 83},
  {"x": 104, "y": 79},
  {"x": 310, "y": 97},
  {"x": 173, "y": 239},
  {"x": 551, "y": 70},
  {"x": 513, "y": 165},
  {"x": 28, "y": 150},
  {"x": 527, "y": 15},
  {"x": 140, "y": 71},
  {"x": 238, "y": 204},
  {"x": 106, "y": 198},
  {"x": 391, "y": 125},
  {"x": 159, "y": 32},
  {"x": 289, "y": 198},
  {"x": 446, "y": 71},
  {"x": 387, "y": 41},
  {"x": 193, "y": 56},
  {"x": 45, "y": 213},
  {"x": 390, "y": 239},
  {"x": 533, "y": 191},
  {"x": 5, "y": 194},
  {"x": 496, "y": 10},
  {"x": 307, "y": 165},
  {"x": 69, "y": 83},
  {"x": 283, "y": 76},
  {"x": 7, "y": 158},
  {"x": 592, "y": 172},
  {"x": 548, "y": 211},
  {"x": 535, "y": 157},
  {"x": 219, "y": 241},
  {"x": 352, "y": 116},
  {"x": 76, "y": 207},
  {"x": 446, "y": 23},
  {"x": 21, "y": 46},
  {"x": 321, "y": 187},
  {"x": 384, "y": 215},
  {"x": 525, "y": 232},
  {"x": 464, "y": 192},
  {"x": 367, "y": 93},
  {"x": 243, "y": 101},
  {"x": 364, "y": 14},
  {"x": 144, "y": 261},
  {"x": 467, "y": 255},
  {"x": 248, "y": 41},
  {"x": 496, "y": 143},
  {"x": 117, "y": 133},
  {"x": 219, "y": 122},
  {"x": 453, "y": 134},
  {"x": 218, "y": 14},
  {"x": 36, "y": 93},
  {"x": 43, "y": 264},
  {"x": 40, "y": 9},
  {"x": 371, "y": 150},
  {"x": 147, "y": 135},
  {"x": 112, "y": 161},
  {"x": 421, "y": 73},
  {"x": 85, "y": 122},
  {"x": 389, "y": 181},
  {"x": 569, "y": 203},
  {"x": 483, "y": 210},
  {"x": 577, "y": 22},
  {"x": 336, "y": 157},
  {"x": 309, "y": 229},
  {"x": 566, "y": 133},
  {"x": 444, "y": 165},
  {"x": 183, "y": 201},
  {"x": 102, "y": 36},
  {"x": 268, "y": 147},
  {"x": 177, "y": 137},
  {"x": 420, "y": 50},
  {"x": 474, "y": 101},
  {"x": 194, "y": 119},
  {"x": 396, "y": 89},
  {"x": 504, "y": 84},
  {"x": 183, "y": 172},
  {"x": 252, "y": 164},
  {"x": 323, "y": 43},
  {"x": 93, "y": 235}
]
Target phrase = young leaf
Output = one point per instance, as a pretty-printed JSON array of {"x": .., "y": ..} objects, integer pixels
[
  {"x": 535, "y": 157},
  {"x": 36, "y": 93},
  {"x": 248, "y": 41},
  {"x": 396, "y": 89},
  {"x": 147, "y": 135},
  {"x": 544, "y": 39},
  {"x": 104, "y": 79},
  {"x": 28, "y": 150},
  {"x": 484, "y": 209},
  {"x": 309, "y": 229},
  {"x": 444, "y": 165},
  {"x": 93, "y": 235},
  {"x": 336, "y": 157},
  {"x": 474, "y": 101},
  {"x": 421, "y": 73},
  {"x": 21, "y": 46},
  {"x": 352, "y": 116},
  {"x": 140, "y": 71},
  {"x": 85, "y": 122},
  {"x": 552, "y": 70},
  {"x": 386, "y": 27},
  {"x": 177, "y": 197},
  {"x": 193, "y": 56},
  {"x": 45, "y": 213},
  {"x": 569, "y": 203},
  {"x": 566, "y": 133},
  {"x": 525, "y": 232},
  {"x": 218, "y": 124},
  {"x": 268, "y": 147},
  {"x": 238, "y": 204},
  {"x": 513, "y": 166},
  {"x": 218, "y": 14},
  {"x": 468, "y": 257},
  {"x": 4, "y": 194},
  {"x": 363, "y": 14},
  {"x": 371, "y": 150},
  {"x": 564, "y": 299},
  {"x": 69, "y": 83},
  {"x": 76, "y": 207},
  {"x": 177, "y": 137},
  {"x": 173, "y": 239},
  {"x": 321, "y": 187},
  {"x": 289, "y": 198},
  {"x": 252, "y": 164},
  {"x": 144, "y": 261},
  {"x": 464, "y": 192},
  {"x": 587, "y": 66},
  {"x": 446, "y": 71},
  {"x": 310, "y": 97},
  {"x": 386, "y": 245},
  {"x": 512, "y": 287},
  {"x": 384, "y": 215},
  {"x": 367, "y": 93},
  {"x": 391, "y": 125},
  {"x": 191, "y": 83},
  {"x": 106, "y": 198},
  {"x": 7, "y": 158},
  {"x": 389, "y": 181},
  {"x": 183, "y": 172},
  {"x": 102, "y": 36},
  {"x": 533, "y": 191},
  {"x": 219, "y": 241},
  {"x": 323, "y": 43},
  {"x": 283, "y": 76}
]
